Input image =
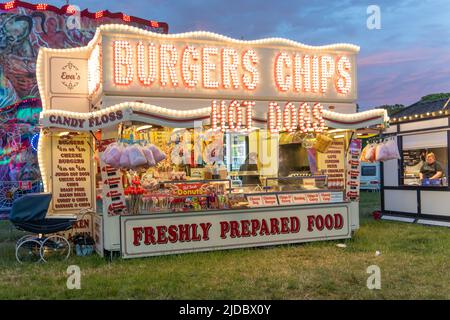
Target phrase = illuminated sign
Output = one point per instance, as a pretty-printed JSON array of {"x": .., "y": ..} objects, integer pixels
[
  {"x": 132, "y": 62},
  {"x": 237, "y": 117}
]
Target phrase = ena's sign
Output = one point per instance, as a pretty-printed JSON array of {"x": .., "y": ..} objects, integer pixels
[
  {"x": 150, "y": 235},
  {"x": 206, "y": 65}
]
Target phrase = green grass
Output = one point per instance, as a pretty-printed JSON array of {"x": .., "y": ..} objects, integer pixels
[{"x": 414, "y": 262}]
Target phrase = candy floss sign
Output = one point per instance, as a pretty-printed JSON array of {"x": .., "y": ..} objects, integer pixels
[
  {"x": 158, "y": 235},
  {"x": 202, "y": 64}
]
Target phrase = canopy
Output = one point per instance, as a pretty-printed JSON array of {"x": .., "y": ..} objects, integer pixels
[{"x": 146, "y": 113}]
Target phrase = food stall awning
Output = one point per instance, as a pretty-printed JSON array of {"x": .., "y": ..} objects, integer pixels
[{"x": 146, "y": 113}]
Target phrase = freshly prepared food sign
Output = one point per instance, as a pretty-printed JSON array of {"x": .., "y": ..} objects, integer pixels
[
  {"x": 156, "y": 234},
  {"x": 202, "y": 65}
]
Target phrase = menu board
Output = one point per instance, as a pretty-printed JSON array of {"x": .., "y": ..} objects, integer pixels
[
  {"x": 71, "y": 173},
  {"x": 353, "y": 170},
  {"x": 332, "y": 163},
  {"x": 411, "y": 158},
  {"x": 112, "y": 190},
  {"x": 262, "y": 200},
  {"x": 310, "y": 198}
]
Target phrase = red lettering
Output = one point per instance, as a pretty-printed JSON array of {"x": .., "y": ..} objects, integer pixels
[
  {"x": 319, "y": 223},
  {"x": 295, "y": 224},
  {"x": 149, "y": 235},
  {"x": 255, "y": 226},
  {"x": 184, "y": 232},
  {"x": 329, "y": 222},
  {"x": 224, "y": 228},
  {"x": 310, "y": 223},
  {"x": 195, "y": 236},
  {"x": 162, "y": 234},
  {"x": 173, "y": 234},
  {"x": 234, "y": 226},
  {"x": 338, "y": 221},
  {"x": 137, "y": 236},
  {"x": 284, "y": 225},
  {"x": 205, "y": 229},
  {"x": 245, "y": 224},
  {"x": 274, "y": 229},
  {"x": 264, "y": 228}
]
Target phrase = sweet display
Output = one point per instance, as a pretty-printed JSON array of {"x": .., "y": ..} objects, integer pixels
[{"x": 132, "y": 156}]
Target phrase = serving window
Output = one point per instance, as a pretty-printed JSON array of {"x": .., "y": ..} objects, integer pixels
[
  {"x": 204, "y": 169},
  {"x": 425, "y": 159}
]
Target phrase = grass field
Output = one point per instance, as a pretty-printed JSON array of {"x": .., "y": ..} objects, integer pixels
[{"x": 414, "y": 263}]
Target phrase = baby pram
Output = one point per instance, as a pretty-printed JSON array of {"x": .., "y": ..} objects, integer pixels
[{"x": 28, "y": 213}]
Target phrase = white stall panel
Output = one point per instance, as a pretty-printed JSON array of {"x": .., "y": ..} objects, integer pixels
[
  {"x": 425, "y": 140},
  {"x": 400, "y": 200},
  {"x": 435, "y": 202},
  {"x": 391, "y": 129},
  {"x": 390, "y": 171},
  {"x": 426, "y": 124}
]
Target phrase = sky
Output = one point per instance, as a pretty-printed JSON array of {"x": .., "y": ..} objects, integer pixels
[{"x": 407, "y": 58}]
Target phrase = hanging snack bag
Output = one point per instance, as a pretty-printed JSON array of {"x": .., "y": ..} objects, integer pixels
[
  {"x": 323, "y": 142},
  {"x": 125, "y": 159},
  {"x": 370, "y": 153},
  {"x": 158, "y": 155},
  {"x": 362, "y": 158},
  {"x": 381, "y": 152},
  {"x": 137, "y": 157},
  {"x": 149, "y": 156},
  {"x": 111, "y": 155},
  {"x": 392, "y": 149}
]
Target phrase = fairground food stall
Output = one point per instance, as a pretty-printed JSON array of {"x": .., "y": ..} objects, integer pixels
[
  {"x": 196, "y": 142},
  {"x": 410, "y": 191}
]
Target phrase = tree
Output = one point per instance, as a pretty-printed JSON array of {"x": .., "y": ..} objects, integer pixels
[{"x": 435, "y": 96}]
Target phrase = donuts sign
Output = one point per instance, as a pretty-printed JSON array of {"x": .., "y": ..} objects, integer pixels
[{"x": 206, "y": 65}]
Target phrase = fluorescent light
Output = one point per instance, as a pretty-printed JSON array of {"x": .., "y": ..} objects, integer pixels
[
  {"x": 147, "y": 126},
  {"x": 336, "y": 130},
  {"x": 339, "y": 136},
  {"x": 65, "y": 133}
]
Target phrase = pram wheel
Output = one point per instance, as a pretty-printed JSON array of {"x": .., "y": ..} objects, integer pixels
[
  {"x": 25, "y": 237},
  {"x": 55, "y": 248},
  {"x": 28, "y": 250}
]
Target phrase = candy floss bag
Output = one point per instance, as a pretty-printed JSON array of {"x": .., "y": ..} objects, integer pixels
[
  {"x": 112, "y": 154},
  {"x": 137, "y": 157},
  {"x": 149, "y": 156},
  {"x": 125, "y": 158},
  {"x": 158, "y": 155}
]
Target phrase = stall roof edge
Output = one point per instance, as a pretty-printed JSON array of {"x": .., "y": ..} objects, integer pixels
[{"x": 422, "y": 107}]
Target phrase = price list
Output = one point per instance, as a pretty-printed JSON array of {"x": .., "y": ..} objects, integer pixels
[{"x": 71, "y": 181}]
